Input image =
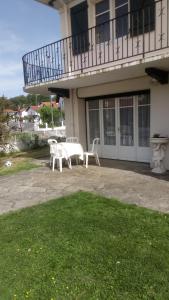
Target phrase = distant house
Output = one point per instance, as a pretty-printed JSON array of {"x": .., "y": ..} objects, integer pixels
[
  {"x": 54, "y": 104},
  {"x": 27, "y": 113},
  {"x": 10, "y": 112},
  {"x": 32, "y": 111}
]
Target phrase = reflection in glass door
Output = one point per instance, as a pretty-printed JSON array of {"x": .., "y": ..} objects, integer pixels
[
  {"x": 143, "y": 149},
  {"x": 126, "y": 122},
  {"x": 109, "y": 125},
  {"x": 144, "y": 120},
  {"x": 94, "y": 120}
]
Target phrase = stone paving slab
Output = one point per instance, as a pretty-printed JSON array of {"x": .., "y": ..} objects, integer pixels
[{"x": 128, "y": 182}]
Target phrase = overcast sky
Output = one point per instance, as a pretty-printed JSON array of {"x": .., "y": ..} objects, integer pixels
[{"x": 24, "y": 26}]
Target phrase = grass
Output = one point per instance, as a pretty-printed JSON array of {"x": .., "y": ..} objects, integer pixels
[
  {"x": 22, "y": 161},
  {"x": 84, "y": 247},
  {"x": 17, "y": 166}
]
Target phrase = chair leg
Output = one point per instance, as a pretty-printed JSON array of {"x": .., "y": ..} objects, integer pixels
[
  {"x": 50, "y": 161},
  {"x": 97, "y": 159},
  {"x": 77, "y": 160},
  {"x": 70, "y": 163},
  {"x": 87, "y": 159},
  {"x": 53, "y": 164},
  {"x": 84, "y": 159},
  {"x": 60, "y": 164}
]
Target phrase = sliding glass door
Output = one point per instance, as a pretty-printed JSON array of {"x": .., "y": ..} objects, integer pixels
[{"x": 123, "y": 126}]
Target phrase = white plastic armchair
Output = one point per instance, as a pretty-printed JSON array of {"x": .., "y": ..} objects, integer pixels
[
  {"x": 93, "y": 152},
  {"x": 72, "y": 139},
  {"x": 58, "y": 154},
  {"x": 51, "y": 142}
]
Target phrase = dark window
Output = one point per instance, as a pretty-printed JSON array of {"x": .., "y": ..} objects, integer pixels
[
  {"x": 121, "y": 18},
  {"x": 142, "y": 18},
  {"x": 121, "y": 13},
  {"x": 79, "y": 24},
  {"x": 102, "y": 6},
  {"x": 102, "y": 21}
]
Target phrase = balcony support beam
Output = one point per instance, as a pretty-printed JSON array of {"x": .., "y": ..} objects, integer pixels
[
  {"x": 59, "y": 92},
  {"x": 159, "y": 75}
]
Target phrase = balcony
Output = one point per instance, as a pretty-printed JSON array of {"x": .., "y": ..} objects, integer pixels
[{"x": 136, "y": 36}]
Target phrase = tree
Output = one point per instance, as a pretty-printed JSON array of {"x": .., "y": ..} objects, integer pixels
[
  {"x": 26, "y": 100},
  {"x": 4, "y": 118},
  {"x": 46, "y": 115}
]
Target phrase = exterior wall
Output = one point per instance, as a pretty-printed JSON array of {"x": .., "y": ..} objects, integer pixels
[
  {"x": 75, "y": 118},
  {"x": 64, "y": 17},
  {"x": 75, "y": 108},
  {"x": 69, "y": 116},
  {"x": 58, "y": 60},
  {"x": 104, "y": 55},
  {"x": 159, "y": 106},
  {"x": 91, "y": 13},
  {"x": 160, "y": 113}
]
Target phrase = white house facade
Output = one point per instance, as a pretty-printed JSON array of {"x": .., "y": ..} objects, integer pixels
[{"x": 111, "y": 67}]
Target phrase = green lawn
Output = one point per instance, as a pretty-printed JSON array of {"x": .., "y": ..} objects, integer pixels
[
  {"x": 17, "y": 166},
  {"x": 22, "y": 161},
  {"x": 84, "y": 247}
]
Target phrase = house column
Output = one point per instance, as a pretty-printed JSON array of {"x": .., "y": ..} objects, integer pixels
[{"x": 75, "y": 117}]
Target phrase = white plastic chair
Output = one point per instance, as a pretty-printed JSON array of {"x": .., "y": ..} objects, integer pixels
[
  {"x": 72, "y": 139},
  {"x": 93, "y": 152},
  {"x": 57, "y": 153},
  {"x": 51, "y": 142}
]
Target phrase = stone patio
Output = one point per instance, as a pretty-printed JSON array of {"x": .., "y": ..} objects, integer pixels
[{"x": 127, "y": 181}]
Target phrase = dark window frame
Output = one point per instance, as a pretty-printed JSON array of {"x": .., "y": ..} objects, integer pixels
[
  {"x": 122, "y": 22},
  {"x": 79, "y": 28},
  {"x": 142, "y": 17},
  {"x": 102, "y": 31}
]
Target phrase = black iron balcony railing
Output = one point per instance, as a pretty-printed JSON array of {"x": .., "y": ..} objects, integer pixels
[{"x": 135, "y": 34}]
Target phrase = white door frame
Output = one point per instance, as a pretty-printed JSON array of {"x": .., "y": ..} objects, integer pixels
[
  {"x": 131, "y": 153},
  {"x": 127, "y": 152}
]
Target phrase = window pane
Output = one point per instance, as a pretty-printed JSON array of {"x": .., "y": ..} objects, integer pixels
[
  {"x": 142, "y": 18},
  {"x": 144, "y": 120},
  {"x": 102, "y": 18},
  {"x": 122, "y": 21},
  {"x": 109, "y": 127},
  {"x": 103, "y": 30},
  {"x": 126, "y": 102},
  {"x": 102, "y": 6},
  {"x": 126, "y": 123},
  {"x": 144, "y": 100},
  {"x": 109, "y": 103},
  {"x": 120, "y": 2},
  {"x": 94, "y": 104},
  {"x": 79, "y": 25},
  {"x": 94, "y": 125}
]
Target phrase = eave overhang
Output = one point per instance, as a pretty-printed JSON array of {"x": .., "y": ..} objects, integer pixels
[{"x": 56, "y": 4}]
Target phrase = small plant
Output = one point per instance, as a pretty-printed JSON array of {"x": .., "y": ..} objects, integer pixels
[{"x": 4, "y": 119}]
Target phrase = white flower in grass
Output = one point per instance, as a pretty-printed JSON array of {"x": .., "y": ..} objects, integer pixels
[{"x": 8, "y": 163}]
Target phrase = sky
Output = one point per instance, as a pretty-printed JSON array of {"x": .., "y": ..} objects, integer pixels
[{"x": 25, "y": 25}]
